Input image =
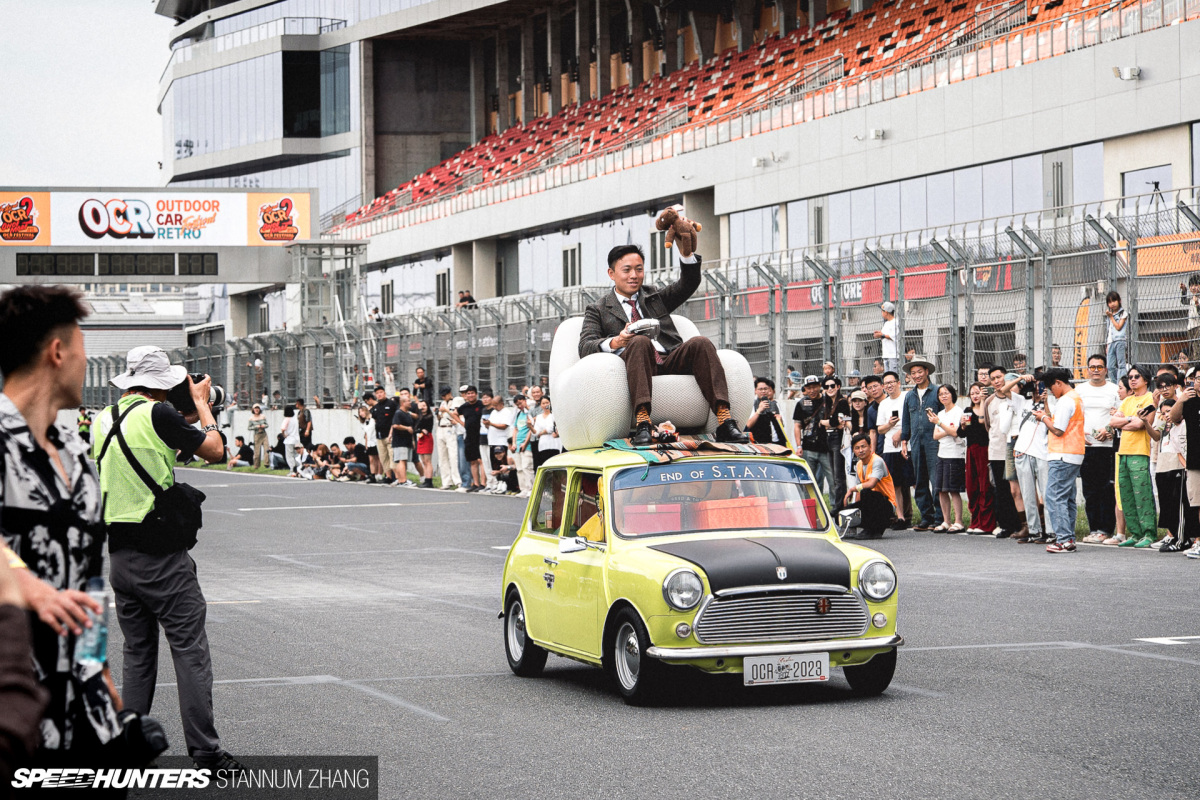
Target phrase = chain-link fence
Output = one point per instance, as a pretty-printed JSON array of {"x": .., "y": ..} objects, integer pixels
[{"x": 1035, "y": 288}]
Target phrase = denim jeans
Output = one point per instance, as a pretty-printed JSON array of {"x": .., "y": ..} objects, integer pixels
[
  {"x": 464, "y": 467},
  {"x": 822, "y": 469},
  {"x": 1032, "y": 476},
  {"x": 1116, "y": 359},
  {"x": 1060, "y": 499},
  {"x": 923, "y": 454}
]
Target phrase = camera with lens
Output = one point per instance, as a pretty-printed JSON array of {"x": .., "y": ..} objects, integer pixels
[{"x": 180, "y": 396}]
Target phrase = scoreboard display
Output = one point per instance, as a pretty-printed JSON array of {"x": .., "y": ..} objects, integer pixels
[
  {"x": 56, "y": 264},
  {"x": 116, "y": 264}
]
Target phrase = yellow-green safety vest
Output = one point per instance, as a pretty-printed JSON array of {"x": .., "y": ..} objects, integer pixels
[{"x": 126, "y": 497}]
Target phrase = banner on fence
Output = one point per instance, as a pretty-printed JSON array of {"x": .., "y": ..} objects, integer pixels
[{"x": 1164, "y": 255}]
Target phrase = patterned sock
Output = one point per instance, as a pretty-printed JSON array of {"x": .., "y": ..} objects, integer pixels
[
  {"x": 723, "y": 414},
  {"x": 643, "y": 415}
]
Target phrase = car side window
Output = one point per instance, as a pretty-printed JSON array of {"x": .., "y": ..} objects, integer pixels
[
  {"x": 586, "y": 491},
  {"x": 552, "y": 497}
]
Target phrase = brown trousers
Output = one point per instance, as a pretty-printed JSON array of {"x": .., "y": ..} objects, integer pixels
[{"x": 696, "y": 356}]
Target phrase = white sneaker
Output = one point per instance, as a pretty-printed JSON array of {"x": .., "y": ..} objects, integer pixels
[
  {"x": 522, "y": 494},
  {"x": 1193, "y": 551},
  {"x": 462, "y": 489}
]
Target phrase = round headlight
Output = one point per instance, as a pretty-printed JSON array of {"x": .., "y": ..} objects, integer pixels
[
  {"x": 682, "y": 589},
  {"x": 877, "y": 580}
]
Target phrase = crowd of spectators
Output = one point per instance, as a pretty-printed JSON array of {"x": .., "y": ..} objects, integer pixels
[
  {"x": 1021, "y": 445},
  {"x": 485, "y": 441}
]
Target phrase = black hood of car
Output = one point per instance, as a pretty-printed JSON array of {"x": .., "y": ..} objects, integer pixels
[{"x": 731, "y": 563}]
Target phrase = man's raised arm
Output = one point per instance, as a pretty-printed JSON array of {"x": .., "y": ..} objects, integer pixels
[{"x": 679, "y": 292}]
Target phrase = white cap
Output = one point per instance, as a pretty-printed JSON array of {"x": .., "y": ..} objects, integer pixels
[{"x": 889, "y": 307}]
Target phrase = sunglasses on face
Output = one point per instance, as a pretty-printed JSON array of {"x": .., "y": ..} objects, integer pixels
[{"x": 831, "y": 386}]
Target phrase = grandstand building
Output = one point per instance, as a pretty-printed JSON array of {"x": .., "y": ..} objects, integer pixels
[{"x": 503, "y": 147}]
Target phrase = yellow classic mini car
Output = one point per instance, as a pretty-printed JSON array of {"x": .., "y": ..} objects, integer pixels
[{"x": 723, "y": 562}]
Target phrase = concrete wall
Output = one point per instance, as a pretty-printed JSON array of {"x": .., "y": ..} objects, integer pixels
[
  {"x": 422, "y": 108},
  {"x": 1151, "y": 149},
  {"x": 1041, "y": 107}
]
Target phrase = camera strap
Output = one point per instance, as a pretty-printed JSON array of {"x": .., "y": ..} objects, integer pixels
[{"x": 138, "y": 469}]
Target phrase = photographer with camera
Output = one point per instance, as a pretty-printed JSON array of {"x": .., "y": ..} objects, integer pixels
[{"x": 152, "y": 522}]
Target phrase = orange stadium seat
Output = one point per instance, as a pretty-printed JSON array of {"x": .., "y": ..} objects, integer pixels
[{"x": 880, "y": 37}]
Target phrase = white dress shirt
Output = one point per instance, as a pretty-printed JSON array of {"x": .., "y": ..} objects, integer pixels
[{"x": 606, "y": 345}]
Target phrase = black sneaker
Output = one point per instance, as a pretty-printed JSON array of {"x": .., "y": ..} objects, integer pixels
[{"x": 219, "y": 761}]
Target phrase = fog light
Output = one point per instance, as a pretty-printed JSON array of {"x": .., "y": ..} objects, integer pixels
[
  {"x": 879, "y": 620},
  {"x": 683, "y": 630}
]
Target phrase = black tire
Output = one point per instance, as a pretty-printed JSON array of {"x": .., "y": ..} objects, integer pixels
[
  {"x": 637, "y": 676},
  {"x": 524, "y": 657},
  {"x": 872, "y": 678}
]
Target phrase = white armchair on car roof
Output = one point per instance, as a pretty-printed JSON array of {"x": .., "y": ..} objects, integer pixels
[{"x": 591, "y": 395}]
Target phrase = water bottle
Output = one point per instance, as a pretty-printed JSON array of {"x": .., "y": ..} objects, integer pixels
[{"x": 92, "y": 644}]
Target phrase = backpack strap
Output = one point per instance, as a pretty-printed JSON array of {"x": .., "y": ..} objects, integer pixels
[
  {"x": 116, "y": 425},
  {"x": 138, "y": 469}
]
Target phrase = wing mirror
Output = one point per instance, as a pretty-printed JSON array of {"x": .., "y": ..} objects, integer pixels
[
  {"x": 848, "y": 518},
  {"x": 572, "y": 545}
]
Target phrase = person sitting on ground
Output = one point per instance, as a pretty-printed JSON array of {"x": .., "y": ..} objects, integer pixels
[
  {"x": 873, "y": 495},
  {"x": 355, "y": 462},
  {"x": 241, "y": 454},
  {"x": 606, "y": 329},
  {"x": 337, "y": 465},
  {"x": 321, "y": 462}
]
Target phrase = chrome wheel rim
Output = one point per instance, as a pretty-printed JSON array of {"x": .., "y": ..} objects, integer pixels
[
  {"x": 516, "y": 631},
  {"x": 627, "y": 654}
]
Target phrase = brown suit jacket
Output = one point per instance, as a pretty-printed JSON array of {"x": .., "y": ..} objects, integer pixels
[{"x": 606, "y": 319}]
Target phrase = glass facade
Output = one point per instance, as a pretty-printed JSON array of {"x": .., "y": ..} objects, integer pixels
[
  {"x": 227, "y": 107},
  {"x": 413, "y": 285},
  {"x": 303, "y": 94},
  {"x": 754, "y": 231},
  {"x": 959, "y": 197},
  {"x": 541, "y": 261},
  {"x": 337, "y": 178}
]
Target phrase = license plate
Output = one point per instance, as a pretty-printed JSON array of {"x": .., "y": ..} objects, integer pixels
[{"x": 767, "y": 670}]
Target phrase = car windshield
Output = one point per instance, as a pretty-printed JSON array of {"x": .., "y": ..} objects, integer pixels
[{"x": 692, "y": 496}]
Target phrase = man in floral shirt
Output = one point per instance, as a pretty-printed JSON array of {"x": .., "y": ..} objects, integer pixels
[{"x": 50, "y": 516}]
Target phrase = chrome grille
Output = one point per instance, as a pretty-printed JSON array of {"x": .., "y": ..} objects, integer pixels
[{"x": 780, "y": 618}]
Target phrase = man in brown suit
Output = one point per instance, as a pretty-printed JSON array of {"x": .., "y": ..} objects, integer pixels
[{"x": 606, "y": 330}]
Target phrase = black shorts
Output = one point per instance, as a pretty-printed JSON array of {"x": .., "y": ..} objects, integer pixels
[
  {"x": 950, "y": 475},
  {"x": 471, "y": 449},
  {"x": 373, "y": 451}
]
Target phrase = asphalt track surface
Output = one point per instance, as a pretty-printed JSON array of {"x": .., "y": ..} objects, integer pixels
[{"x": 355, "y": 620}]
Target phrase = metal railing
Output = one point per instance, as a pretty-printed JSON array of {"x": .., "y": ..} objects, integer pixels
[
  {"x": 968, "y": 295},
  {"x": 1082, "y": 29}
]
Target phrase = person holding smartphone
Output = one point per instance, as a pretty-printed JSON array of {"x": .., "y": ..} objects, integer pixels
[
  {"x": 1187, "y": 412},
  {"x": 833, "y": 422},
  {"x": 979, "y": 484},
  {"x": 888, "y": 429},
  {"x": 1133, "y": 418}
]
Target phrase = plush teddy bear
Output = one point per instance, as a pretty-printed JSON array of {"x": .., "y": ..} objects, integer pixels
[{"x": 679, "y": 229}]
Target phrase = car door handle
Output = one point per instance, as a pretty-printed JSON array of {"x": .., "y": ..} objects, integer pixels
[{"x": 550, "y": 561}]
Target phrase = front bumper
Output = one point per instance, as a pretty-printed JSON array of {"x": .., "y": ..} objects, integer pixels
[{"x": 744, "y": 650}]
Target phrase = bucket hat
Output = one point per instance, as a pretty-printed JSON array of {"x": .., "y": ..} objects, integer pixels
[{"x": 149, "y": 366}]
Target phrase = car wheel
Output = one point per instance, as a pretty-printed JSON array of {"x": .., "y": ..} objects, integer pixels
[
  {"x": 637, "y": 675},
  {"x": 871, "y": 678},
  {"x": 524, "y": 657}
]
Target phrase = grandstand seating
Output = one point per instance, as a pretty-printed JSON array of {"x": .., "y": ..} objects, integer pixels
[{"x": 887, "y": 34}]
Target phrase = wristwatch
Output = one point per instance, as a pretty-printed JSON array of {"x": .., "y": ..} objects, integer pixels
[{"x": 208, "y": 428}]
